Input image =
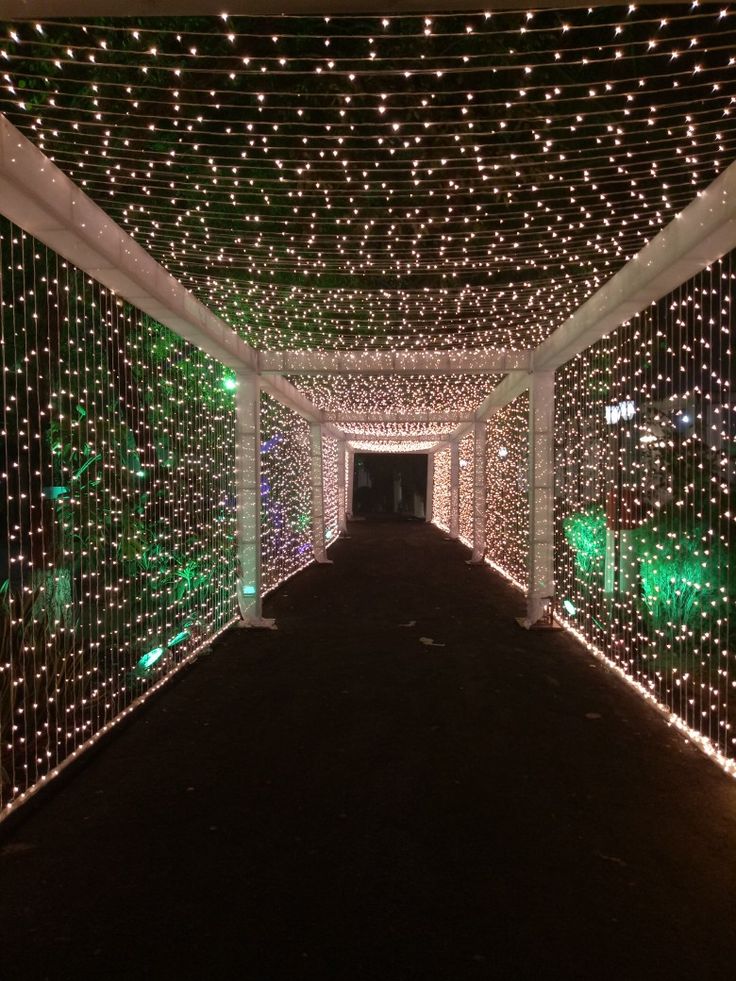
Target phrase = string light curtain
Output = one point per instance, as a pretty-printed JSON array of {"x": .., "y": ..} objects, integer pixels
[
  {"x": 507, "y": 513},
  {"x": 646, "y": 547},
  {"x": 467, "y": 472},
  {"x": 396, "y": 395},
  {"x": 286, "y": 493},
  {"x": 117, "y": 558},
  {"x": 441, "y": 489},
  {"x": 330, "y": 455}
]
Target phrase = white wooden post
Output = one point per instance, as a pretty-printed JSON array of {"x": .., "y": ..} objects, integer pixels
[
  {"x": 541, "y": 495},
  {"x": 248, "y": 494},
  {"x": 455, "y": 488},
  {"x": 318, "y": 503},
  {"x": 350, "y": 466},
  {"x": 429, "y": 502},
  {"x": 342, "y": 524},
  {"x": 479, "y": 492}
]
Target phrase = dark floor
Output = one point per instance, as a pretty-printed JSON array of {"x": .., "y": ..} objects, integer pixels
[{"x": 339, "y": 800}]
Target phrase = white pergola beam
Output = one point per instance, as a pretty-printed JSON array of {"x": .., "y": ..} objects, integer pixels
[
  {"x": 349, "y": 480},
  {"x": 44, "y": 202},
  {"x": 39, "y": 198},
  {"x": 318, "y": 498},
  {"x": 701, "y": 233},
  {"x": 248, "y": 495},
  {"x": 455, "y": 488},
  {"x": 429, "y": 502},
  {"x": 342, "y": 506},
  {"x": 428, "y": 438},
  {"x": 479, "y": 491},
  {"x": 541, "y": 567},
  {"x": 373, "y": 446},
  {"x": 353, "y": 418},
  {"x": 392, "y": 362}
]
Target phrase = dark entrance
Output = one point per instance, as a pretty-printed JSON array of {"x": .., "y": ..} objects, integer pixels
[{"x": 390, "y": 484}]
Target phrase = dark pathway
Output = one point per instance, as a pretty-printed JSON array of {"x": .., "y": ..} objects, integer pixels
[{"x": 338, "y": 800}]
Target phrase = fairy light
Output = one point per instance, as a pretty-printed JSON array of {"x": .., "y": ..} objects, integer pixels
[
  {"x": 393, "y": 445},
  {"x": 441, "y": 489},
  {"x": 330, "y": 461},
  {"x": 467, "y": 472},
  {"x": 286, "y": 493},
  {"x": 507, "y": 514},
  {"x": 395, "y": 395}
]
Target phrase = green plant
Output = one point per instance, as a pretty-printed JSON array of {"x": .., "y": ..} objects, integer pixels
[
  {"x": 585, "y": 532},
  {"x": 682, "y": 572}
]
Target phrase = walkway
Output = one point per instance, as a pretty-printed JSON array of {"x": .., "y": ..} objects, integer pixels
[{"x": 338, "y": 800}]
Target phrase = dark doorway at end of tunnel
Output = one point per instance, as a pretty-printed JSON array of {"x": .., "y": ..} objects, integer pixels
[{"x": 390, "y": 485}]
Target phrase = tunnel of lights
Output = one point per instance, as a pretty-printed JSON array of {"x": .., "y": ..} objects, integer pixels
[{"x": 235, "y": 251}]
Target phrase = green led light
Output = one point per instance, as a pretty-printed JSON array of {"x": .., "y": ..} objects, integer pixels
[
  {"x": 249, "y": 590},
  {"x": 149, "y": 659},
  {"x": 230, "y": 383},
  {"x": 585, "y": 531},
  {"x": 569, "y": 607},
  {"x": 178, "y": 638}
]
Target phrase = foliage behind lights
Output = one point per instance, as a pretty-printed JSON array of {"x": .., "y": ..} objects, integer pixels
[
  {"x": 116, "y": 503},
  {"x": 585, "y": 531}
]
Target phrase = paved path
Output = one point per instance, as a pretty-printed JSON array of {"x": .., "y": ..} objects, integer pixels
[{"x": 338, "y": 800}]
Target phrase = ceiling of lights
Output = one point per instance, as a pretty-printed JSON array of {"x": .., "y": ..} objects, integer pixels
[{"x": 448, "y": 181}]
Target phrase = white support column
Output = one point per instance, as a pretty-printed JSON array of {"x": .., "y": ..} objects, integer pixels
[
  {"x": 541, "y": 495},
  {"x": 350, "y": 466},
  {"x": 455, "y": 488},
  {"x": 248, "y": 495},
  {"x": 479, "y": 492},
  {"x": 429, "y": 503},
  {"x": 318, "y": 504},
  {"x": 342, "y": 524}
]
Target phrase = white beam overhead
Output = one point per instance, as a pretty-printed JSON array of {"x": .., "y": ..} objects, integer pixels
[
  {"x": 396, "y": 437},
  {"x": 370, "y": 446},
  {"x": 701, "y": 233},
  {"x": 39, "y": 198},
  {"x": 346, "y": 419},
  {"x": 392, "y": 362}
]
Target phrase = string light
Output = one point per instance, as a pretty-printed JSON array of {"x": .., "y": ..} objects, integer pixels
[
  {"x": 441, "y": 489},
  {"x": 507, "y": 511},
  {"x": 286, "y": 493},
  {"x": 330, "y": 462},
  {"x": 467, "y": 472}
]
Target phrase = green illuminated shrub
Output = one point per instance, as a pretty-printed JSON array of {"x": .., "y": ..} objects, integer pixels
[
  {"x": 585, "y": 532},
  {"x": 682, "y": 572}
]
